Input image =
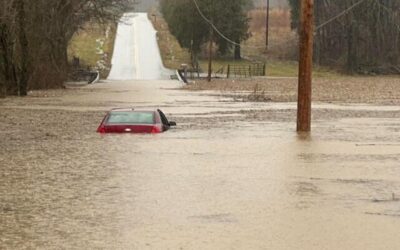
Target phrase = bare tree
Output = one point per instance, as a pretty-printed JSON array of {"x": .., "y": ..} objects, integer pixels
[
  {"x": 35, "y": 36},
  {"x": 360, "y": 36},
  {"x": 7, "y": 18}
]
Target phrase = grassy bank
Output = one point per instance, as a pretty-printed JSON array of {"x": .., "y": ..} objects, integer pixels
[
  {"x": 94, "y": 47},
  {"x": 173, "y": 55}
]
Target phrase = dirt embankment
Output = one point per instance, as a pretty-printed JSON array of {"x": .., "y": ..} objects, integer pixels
[{"x": 371, "y": 90}]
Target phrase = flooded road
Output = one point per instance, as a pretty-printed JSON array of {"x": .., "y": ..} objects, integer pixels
[{"x": 233, "y": 175}]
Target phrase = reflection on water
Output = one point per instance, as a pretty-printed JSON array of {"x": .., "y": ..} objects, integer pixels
[{"x": 220, "y": 183}]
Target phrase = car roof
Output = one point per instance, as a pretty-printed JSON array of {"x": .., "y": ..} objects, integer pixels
[{"x": 132, "y": 110}]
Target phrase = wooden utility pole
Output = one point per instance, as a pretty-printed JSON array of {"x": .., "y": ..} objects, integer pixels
[
  {"x": 267, "y": 26},
  {"x": 305, "y": 66}
]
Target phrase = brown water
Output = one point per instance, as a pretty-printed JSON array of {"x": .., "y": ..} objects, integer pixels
[{"x": 231, "y": 176}]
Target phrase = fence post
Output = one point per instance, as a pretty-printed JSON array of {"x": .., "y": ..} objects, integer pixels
[{"x": 228, "y": 71}]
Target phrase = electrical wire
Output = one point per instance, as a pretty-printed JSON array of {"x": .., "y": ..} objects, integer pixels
[
  {"x": 338, "y": 16},
  {"x": 349, "y": 9},
  {"x": 316, "y": 28},
  {"x": 218, "y": 31}
]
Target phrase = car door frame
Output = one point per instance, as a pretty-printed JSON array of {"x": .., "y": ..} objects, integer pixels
[{"x": 164, "y": 120}]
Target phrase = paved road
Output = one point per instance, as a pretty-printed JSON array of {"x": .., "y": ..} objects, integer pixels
[{"x": 136, "y": 53}]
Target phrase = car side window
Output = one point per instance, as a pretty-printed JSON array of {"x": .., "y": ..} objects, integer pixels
[{"x": 163, "y": 118}]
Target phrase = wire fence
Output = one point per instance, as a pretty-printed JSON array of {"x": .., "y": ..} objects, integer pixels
[
  {"x": 227, "y": 71},
  {"x": 254, "y": 69}
]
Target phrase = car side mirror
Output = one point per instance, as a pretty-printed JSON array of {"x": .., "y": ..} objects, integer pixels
[{"x": 172, "y": 124}]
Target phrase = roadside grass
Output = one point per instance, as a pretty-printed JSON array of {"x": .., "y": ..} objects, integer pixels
[
  {"x": 94, "y": 47},
  {"x": 173, "y": 55},
  {"x": 290, "y": 69}
]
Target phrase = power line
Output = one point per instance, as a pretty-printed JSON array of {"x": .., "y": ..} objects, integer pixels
[
  {"x": 218, "y": 31},
  {"x": 338, "y": 16},
  {"x": 212, "y": 25},
  {"x": 316, "y": 28},
  {"x": 349, "y": 9}
]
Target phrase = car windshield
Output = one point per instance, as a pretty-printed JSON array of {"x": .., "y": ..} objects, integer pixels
[{"x": 131, "y": 118}]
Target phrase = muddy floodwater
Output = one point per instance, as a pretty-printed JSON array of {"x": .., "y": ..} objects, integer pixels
[{"x": 232, "y": 175}]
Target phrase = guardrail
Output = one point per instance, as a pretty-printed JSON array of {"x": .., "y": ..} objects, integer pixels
[
  {"x": 181, "y": 76},
  {"x": 85, "y": 75}
]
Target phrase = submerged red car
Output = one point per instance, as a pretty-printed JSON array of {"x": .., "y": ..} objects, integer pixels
[{"x": 135, "y": 121}]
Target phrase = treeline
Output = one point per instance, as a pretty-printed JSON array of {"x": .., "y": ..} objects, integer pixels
[
  {"x": 365, "y": 39},
  {"x": 34, "y": 37},
  {"x": 192, "y": 31}
]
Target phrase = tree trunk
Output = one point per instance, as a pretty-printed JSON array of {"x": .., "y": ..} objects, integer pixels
[
  {"x": 318, "y": 34},
  {"x": 238, "y": 53},
  {"x": 9, "y": 82},
  {"x": 351, "y": 49},
  {"x": 3, "y": 64},
  {"x": 23, "y": 43},
  {"x": 2, "y": 89},
  {"x": 210, "y": 52},
  {"x": 65, "y": 70}
]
